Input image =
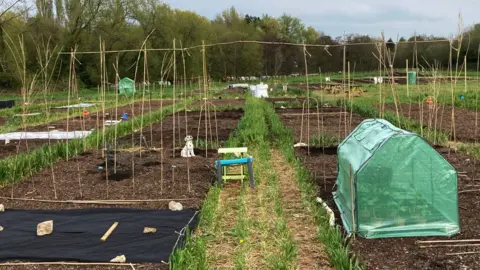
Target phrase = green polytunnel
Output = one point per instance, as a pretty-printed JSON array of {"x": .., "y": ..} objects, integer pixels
[
  {"x": 392, "y": 183},
  {"x": 126, "y": 86}
]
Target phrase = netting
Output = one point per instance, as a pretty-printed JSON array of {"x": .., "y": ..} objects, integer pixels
[{"x": 394, "y": 184}]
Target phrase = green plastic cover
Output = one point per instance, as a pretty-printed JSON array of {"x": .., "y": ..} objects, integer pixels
[
  {"x": 126, "y": 86},
  {"x": 392, "y": 183}
]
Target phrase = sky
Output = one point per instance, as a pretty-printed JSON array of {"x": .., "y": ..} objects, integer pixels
[{"x": 394, "y": 18}]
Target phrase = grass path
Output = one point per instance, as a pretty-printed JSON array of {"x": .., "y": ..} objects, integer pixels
[
  {"x": 266, "y": 227},
  {"x": 267, "y": 235},
  {"x": 300, "y": 219},
  {"x": 221, "y": 250}
]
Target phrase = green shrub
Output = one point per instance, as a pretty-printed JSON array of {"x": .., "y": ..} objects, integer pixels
[{"x": 9, "y": 81}]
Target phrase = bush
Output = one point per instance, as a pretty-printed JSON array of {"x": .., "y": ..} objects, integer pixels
[{"x": 9, "y": 81}]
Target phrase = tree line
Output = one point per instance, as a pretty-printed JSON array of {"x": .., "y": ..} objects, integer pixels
[{"x": 34, "y": 34}]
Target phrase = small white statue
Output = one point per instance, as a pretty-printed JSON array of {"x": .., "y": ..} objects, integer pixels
[{"x": 187, "y": 150}]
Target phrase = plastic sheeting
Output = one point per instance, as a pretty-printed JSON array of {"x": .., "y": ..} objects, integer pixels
[
  {"x": 4, "y": 104},
  {"x": 238, "y": 85},
  {"x": 53, "y": 135},
  {"x": 80, "y": 105},
  {"x": 76, "y": 234},
  {"x": 392, "y": 183},
  {"x": 28, "y": 114}
]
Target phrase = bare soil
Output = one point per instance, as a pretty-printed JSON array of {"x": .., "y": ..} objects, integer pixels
[
  {"x": 154, "y": 174},
  {"x": 235, "y": 91},
  {"x": 94, "y": 121},
  {"x": 465, "y": 120},
  {"x": 220, "y": 102},
  {"x": 332, "y": 121},
  {"x": 138, "y": 173},
  {"x": 193, "y": 124},
  {"x": 404, "y": 253}
]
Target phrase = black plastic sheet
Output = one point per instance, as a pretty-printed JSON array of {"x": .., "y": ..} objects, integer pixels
[
  {"x": 76, "y": 234},
  {"x": 4, "y": 104}
]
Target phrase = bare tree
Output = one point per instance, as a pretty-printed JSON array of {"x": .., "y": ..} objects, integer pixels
[{"x": 9, "y": 10}]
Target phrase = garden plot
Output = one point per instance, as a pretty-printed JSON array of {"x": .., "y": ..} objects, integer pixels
[
  {"x": 220, "y": 102},
  {"x": 174, "y": 127},
  {"x": 331, "y": 121},
  {"x": 405, "y": 253},
  {"x": 78, "y": 123},
  {"x": 278, "y": 101},
  {"x": 465, "y": 120},
  {"x": 141, "y": 173},
  {"x": 156, "y": 174}
]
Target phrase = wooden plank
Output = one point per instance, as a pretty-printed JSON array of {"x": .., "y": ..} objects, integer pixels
[
  {"x": 232, "y": 150},
  {"x": 109, "y": 232},
  {"x": 299, "y": 114},
  {"x": 234, "y": 177}
]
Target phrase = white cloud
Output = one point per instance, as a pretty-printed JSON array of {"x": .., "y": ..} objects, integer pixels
[{"x": 437, "y": 17}]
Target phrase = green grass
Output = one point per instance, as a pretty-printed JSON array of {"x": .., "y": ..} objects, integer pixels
[
  {"x": 415, "y": 94},
  {"x": 241, "y": 230},
  {"x": 193, "y": 255}
]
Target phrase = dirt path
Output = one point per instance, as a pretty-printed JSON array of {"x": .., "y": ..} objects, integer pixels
[{"x": 300, "y": 219}]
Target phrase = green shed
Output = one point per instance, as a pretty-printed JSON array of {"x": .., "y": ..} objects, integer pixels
[
  {"x": 126, "y": 86},
  {"x": 412, "y": 77},
  {"x": 392, "y": 183}
]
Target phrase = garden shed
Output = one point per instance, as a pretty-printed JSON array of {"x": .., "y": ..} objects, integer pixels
[
  {"x": 392, "y": 183},
  {"x": 126, "y": 86}
]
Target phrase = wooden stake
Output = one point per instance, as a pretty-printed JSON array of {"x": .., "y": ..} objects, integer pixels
[
  {"x": 463, "y": 253},
  {"x": 408, "y": 83},
  {"x": 116, "y": 115},
  {"x": 350, "y": 98},
  {"x": 353, "y": 201},
  {"x": 67, "y": 263},
  {"x": 185, "y": 109},
  {"x": 380, "y": 57},
  {"x": 109, "y": 232},
  {"x": 343, "y": 87},
  {"x": 95, "y": 202},
  {"x": 174, "y": 82},
  {"x": 447, "y": 241},
  {"x": 205, "y": 87},
  {"x": 308, "y": 97},
  {"x": 145, "y": 81},
  {"x": 464, "y": 245}
]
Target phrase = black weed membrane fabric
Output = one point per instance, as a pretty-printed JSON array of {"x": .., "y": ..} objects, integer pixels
[
  {"x": 4, "y": 104},
  {"x": 76, "y": 235}
]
